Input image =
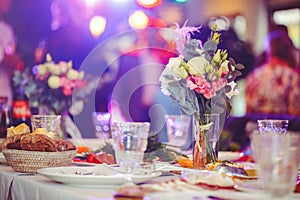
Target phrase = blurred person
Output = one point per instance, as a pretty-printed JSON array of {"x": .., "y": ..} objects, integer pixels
[
  {"x": 70, "y": 38},
  {"x": 295, "y": 56},
  {"x": 274, "y": 87},
  {"x": 8, "y": 57}
]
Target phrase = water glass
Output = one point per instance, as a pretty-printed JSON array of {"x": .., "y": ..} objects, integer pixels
[
  {"x": 46, "y": 124},
  {"x": 273, "y": 125},
  {"x": 277, "y": 158},
  {"x": 177, "y": 129},
  {"x": 129, "y": 142},
  {"x": 101, "y": 121}
]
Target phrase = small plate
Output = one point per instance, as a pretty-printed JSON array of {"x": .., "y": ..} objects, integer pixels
[{"x": 104, "y": 176}]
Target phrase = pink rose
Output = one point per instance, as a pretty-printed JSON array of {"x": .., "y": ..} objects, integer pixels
[
  {"x": 197, "y": 83},
  {"x": 202, "y": 86}
]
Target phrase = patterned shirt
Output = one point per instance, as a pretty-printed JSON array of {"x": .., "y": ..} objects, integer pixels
[{"x": 273, "y": 88}]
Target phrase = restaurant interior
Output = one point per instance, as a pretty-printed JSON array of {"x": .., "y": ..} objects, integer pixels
[{"x": 93, "y": 60}]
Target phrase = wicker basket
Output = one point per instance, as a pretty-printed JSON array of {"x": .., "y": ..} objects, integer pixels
[{"x": 31, "y": 161}]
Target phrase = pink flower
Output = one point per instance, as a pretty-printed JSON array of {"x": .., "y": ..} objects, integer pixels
[
  {"x": 67, "y": 91},
  {"x": 197, "y": 83},
  {"x": 202, "y": 86}
]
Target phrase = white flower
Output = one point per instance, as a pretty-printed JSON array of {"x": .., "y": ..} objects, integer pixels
[
  {"x": 177, "y": 69},
  {"x": 233, "y": 91},
  {"x": 196, "y": 65}
]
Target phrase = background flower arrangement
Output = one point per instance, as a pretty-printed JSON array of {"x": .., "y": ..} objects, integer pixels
[
  {"x": 201, "y": 79},
  {"x": 55, "y": 88}
]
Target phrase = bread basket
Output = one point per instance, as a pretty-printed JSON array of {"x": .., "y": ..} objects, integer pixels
[{"x": 31, "y": 161}]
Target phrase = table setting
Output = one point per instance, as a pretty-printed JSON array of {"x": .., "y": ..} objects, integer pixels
[{"x": 126, "y": 161}]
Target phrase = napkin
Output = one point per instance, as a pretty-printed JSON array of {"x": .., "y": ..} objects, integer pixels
[{"x": 210, "y": 178}]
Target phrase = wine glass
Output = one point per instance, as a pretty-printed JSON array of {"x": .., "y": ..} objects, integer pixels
[{"x": 129, "y": 142}]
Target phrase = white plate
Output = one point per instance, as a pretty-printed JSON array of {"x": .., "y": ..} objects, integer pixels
[
  {"x": 248, "y": 186},
  {"x": 229, "y": 155},
  {"x": 104, "y": 176},
  {"x": 83, "y": 164},
  {"x": 88, "y": 164}
]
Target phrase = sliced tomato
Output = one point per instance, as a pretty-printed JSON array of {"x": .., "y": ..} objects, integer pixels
[
  {"x": 93, "y": 158},
  {"x": 78, "y": 160}
]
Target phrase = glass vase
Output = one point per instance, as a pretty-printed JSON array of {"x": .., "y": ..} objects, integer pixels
[{"x": 206, "y": 134}]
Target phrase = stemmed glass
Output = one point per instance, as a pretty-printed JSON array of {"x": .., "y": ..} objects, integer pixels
[{"x": 129, "y": 142}]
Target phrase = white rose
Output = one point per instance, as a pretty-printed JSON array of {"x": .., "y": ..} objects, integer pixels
[
  {"x": 177, "y": 71},
  {"x": 196, "y": 65}
]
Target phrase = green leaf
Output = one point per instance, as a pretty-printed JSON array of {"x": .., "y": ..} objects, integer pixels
[{"x": 239, "y": 66}]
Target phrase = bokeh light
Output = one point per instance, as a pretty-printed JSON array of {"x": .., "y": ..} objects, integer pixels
[
  {"x": 138, "y": 20},
  {"x": 148, "y": 3},
  {"x": 97, "y": 25},
  {"x": 91, "y": 3}
]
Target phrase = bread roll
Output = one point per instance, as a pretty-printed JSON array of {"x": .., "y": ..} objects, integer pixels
[
  {"x": 38, "y": 142},
  {"x": 63, "y": 145},
  {"x": 14, "y": 141}
]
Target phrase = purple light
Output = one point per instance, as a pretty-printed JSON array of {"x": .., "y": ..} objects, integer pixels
[
  {"x": 91, "y": 3},
  {"x": 35, "y": 69},
  {"x": 120, "y": 1}
]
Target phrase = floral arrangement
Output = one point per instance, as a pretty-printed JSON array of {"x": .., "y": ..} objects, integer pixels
[
  {"x": 55, "y": 88},
  {"x": 201, "y": 75},
  {"x": 201, "y": 79}
]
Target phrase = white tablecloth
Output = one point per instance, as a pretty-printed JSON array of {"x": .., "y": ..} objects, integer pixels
[{"x": 19, "y": 186}]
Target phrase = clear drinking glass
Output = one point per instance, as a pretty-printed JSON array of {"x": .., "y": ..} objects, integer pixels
[
  {"x": 101, "y": 121},
  {"x": 46, "y": 124},
  {"x": 206, "y": 132},
  {"x": 273, "y": 125},
  {"x": 177, "y": 129},
  {"x": 129, "y": 142},
  {"x": 277, "y": 158}
]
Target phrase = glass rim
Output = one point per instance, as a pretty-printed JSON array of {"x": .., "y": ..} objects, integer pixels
[
  {"x": 268, "y": 133},
  {"x": 45, "y": 116},
  {"x": 133, "y": 123},
  {"x": 272, "y": 121}
]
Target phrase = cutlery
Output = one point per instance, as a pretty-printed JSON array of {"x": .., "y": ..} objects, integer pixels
[
  {"x": 82, "y": 173},
  {"x": 231, "y": 171}
]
